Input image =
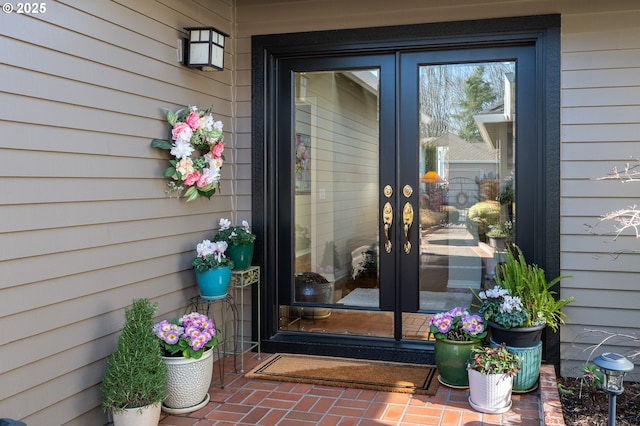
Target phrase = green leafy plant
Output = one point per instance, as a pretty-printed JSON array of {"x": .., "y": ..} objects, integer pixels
[
  {"x": 506, "y": 192},
  {"x": 494, "y": 360},
  {"x": 135, "y": 376},
  {"x": 528, "y": 283},
  {"x": 481, "y": 215},
  {"x": 592, "y": 379},
  {"x": 501, "y": 230},
  {"x": 369, "y": 264},
  {"x": 234, "y": 235}
]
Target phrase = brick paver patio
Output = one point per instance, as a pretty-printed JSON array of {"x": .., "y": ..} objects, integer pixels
[{"x": 259, "y": 402}]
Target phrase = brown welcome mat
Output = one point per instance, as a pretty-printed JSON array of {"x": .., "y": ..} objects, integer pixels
[{"x": 349, "y": 373}]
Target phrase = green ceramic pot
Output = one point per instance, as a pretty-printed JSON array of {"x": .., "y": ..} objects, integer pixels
[
  {"x": 241, "y": 255},
  {"x": 451, "y": 360}
]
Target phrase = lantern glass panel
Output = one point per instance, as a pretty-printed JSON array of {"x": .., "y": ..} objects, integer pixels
[
  {"x": 217, "y": 56},
  {"x": 199, "y": 53},
  {"x": 613, "y": 381}
]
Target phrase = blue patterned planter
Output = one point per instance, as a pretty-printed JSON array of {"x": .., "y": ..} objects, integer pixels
[{"x": 527, "y": 378}]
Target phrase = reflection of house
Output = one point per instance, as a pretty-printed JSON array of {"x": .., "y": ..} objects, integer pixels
[
  {"x": 496, "y": 127},
  {"x": 465, "y": 165}
]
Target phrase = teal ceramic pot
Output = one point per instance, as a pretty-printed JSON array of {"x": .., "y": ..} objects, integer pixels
[
  {"x": 241, "y": 255},
  {"x": 531, "y": 358},
  {"x": 451, "y": 360},
  {"x": 213, "y": 284}
]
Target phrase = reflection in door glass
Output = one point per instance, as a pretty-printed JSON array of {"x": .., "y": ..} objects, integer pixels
[
  {"x": 335, "y": 153},
  {"x": 467, "y": 118}
]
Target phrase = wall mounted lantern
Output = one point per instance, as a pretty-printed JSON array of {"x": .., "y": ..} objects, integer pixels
[
  {"x": 614, "y": 367},
  {"x": 204, "y": 48}
]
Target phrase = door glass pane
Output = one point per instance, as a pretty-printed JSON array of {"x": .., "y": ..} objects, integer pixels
[
  {"x": 467, "y": 118},
  {"x": 335, "y": 154}
]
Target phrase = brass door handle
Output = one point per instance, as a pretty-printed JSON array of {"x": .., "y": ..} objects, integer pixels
[
  {"x": 407, "y": 218},
  {"x": 387, "y": 220}
]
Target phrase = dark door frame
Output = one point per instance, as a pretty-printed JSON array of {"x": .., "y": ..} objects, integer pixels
[{"x": 541, "y": 195}]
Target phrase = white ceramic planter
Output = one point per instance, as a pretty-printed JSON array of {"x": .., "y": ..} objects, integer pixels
[
  {"x": 148, "y": 415},
  {"x": 490, "y": 393},
  {"x": 188, "y": 382}
]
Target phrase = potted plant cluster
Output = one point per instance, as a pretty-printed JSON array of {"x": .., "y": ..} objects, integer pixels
[
  {"x": 240, "y": 242},
  {"x": 457, "y": 333},
  {"x": 213, "y": 269},
  {"x": 197, "y": 150},
  {"x": 491, "y": 371},
  {"x": 517, "y": 310},
  {"x": 187, "y": 351},
  {"x": 523, "y": 297},
  {"x": 135, "y": 380},
  {"x": 499, "y": 235}
]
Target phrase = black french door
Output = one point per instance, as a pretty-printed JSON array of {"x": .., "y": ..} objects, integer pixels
[{"x": 383, "y": 173}]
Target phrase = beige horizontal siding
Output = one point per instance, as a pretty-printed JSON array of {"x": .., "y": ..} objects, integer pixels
[
  {"x": 86, "y": 226},
  {"x": 600, "y": 131}
]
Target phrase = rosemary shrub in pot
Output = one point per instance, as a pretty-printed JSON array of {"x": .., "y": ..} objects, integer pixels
[{"x": 135, "y": 380}]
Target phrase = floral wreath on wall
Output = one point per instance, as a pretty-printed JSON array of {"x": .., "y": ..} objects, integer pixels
[{"x": 197, "y": 150}]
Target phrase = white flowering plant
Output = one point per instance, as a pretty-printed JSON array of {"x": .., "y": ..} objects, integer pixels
[
  {"x": 211, "y": 255},
  {"x": 502, "y": 308},
  {"x": 197, "y": 150},
  {"x": 234, "y": 235}
]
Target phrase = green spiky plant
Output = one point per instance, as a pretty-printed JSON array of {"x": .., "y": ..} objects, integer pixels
[
  {"x": 528, "y": 281},
  {"x": 136, "y": 376}
]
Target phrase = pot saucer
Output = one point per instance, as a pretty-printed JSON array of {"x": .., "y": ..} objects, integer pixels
[
  {"x": 490, "y": 410},
  {"x": 449, "y": 385},
  {"x": 186, "y": 409}
]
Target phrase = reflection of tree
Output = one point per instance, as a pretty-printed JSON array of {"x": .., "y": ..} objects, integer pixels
[
  {"x": 451, "y": 94},
  {"x": 436, "y": 83},
  {"x": 478, "y": 95}
]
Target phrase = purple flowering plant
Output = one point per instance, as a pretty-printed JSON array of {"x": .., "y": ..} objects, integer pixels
[
  {"x": 188, "y": 336},
  {"x": 457, "y": 324}
]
